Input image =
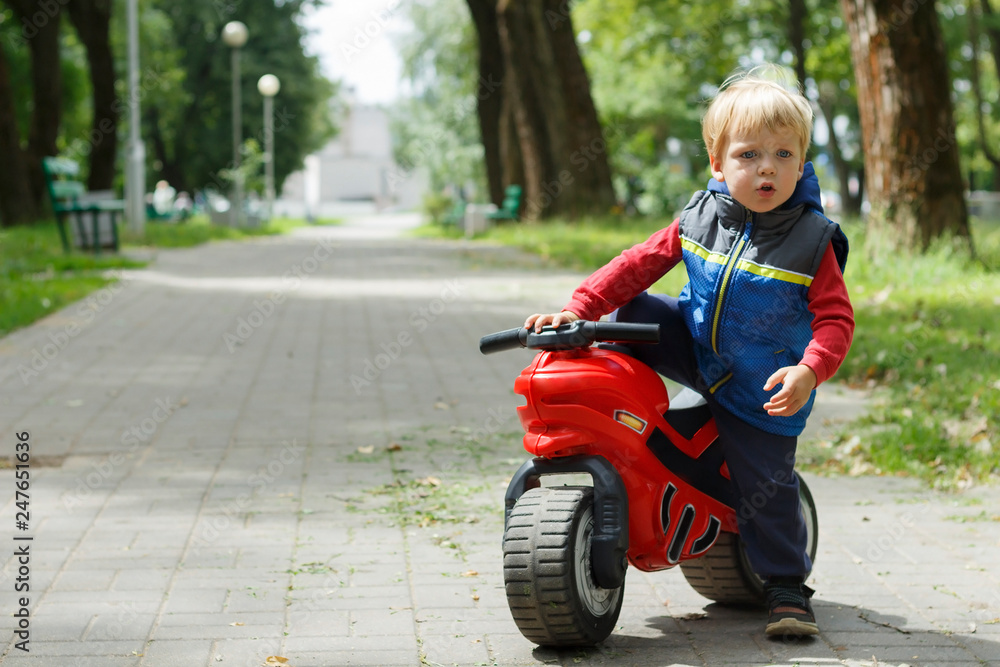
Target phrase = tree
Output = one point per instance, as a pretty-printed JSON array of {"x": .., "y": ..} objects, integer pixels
[
  {"x": 92, "y": 19},
  {"x": 17, "y": 205},
  {"x": 39, "y": 31},
  {"x": 563, "y": 151},
  {"x": 912, "y": 168},
  {"x": 491, "y": 110}
]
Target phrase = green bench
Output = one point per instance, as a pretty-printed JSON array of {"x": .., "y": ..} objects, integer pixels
[
  {"x": 510, "y": 206},
  {"x": 94, "y": 215}
]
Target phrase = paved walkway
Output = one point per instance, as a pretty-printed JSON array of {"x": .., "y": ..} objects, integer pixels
[{"x": 291, "y": 447}]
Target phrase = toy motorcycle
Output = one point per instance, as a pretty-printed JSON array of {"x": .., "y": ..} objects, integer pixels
[{"x": 660, "y": 493}]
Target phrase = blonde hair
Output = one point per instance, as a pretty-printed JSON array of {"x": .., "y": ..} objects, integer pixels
[{"x": 765, "y": 97}]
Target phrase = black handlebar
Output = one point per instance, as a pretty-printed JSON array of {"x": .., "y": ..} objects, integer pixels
[{"x": 578, "y": 334}]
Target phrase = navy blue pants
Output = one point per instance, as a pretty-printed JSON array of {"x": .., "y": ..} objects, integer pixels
[{"x": 761, "y": 464}]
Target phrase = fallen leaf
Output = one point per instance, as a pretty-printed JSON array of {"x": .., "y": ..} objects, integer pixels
[
  {"x": 693, "y": 616},
  {"x": 429, "y": 481},
  {"x": 367, "y": 449},
  {"x": 441, "y": 405},
  {"x": 470, "y": 573},
  {"x": 237, "y": 624},
  {"x": 394, "y": 447},
  {"x": 276, "y": 660},
  {"x": 475, "y": 598}
]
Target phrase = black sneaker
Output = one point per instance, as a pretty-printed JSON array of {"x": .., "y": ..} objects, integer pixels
[{"x": 789, "y": 611}]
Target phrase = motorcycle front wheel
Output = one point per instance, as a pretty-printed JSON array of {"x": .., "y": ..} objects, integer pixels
[{"x": 547, "y": 570}]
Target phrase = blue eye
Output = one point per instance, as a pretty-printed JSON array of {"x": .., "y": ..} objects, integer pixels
[
  {"x": 784, "y": 153},
  {"x": 747, "y": 155}
]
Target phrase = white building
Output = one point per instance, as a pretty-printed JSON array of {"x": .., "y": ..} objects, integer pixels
[{"x": 354, "y": 172}]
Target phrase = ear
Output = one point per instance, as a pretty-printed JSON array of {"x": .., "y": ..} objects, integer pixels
[
  {"x": 716, "y": 165},
  {"x": 802, "y": 168}
]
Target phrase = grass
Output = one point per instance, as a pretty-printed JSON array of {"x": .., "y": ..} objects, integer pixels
[
  {"x": 927, "y": 345},
  {"x": 37, "y": 278}
]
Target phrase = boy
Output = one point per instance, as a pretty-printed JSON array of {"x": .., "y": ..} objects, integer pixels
[{"x": 765, "y": 304}]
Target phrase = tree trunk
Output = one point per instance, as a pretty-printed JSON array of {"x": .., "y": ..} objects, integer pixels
[
  {"x": 91, "y": 18},
  {"x": 17, "y": 206},
  {"x": 563, "y": 152},
  {"x": 912, "y": 167},
  {"x": 490, "y": 93},
  {"x": 592, "y": 191},
  {"x": 523, "y": 78},
  {"x": 40, "y": 30},
  {"x": 851, "y": 204},
  {"x": 797, "y": 13},
  {"x": 170, "y": 170},
  {"x": 511, "y": 159}
]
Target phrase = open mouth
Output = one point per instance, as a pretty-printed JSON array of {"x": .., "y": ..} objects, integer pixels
[{"x": 767, "y": 188}]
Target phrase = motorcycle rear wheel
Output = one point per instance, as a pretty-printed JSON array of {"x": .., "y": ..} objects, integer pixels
[
  {"x": 724, "y": 574},
  {"x": 547, "y": 570}
]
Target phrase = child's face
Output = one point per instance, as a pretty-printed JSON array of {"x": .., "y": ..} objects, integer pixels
[{"x": 760, "y": 169}]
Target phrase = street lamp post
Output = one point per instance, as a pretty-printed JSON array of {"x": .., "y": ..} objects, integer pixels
[
  {"x": 135, "y": 180},
  {"x": 235, "y": 34},
  {"x": 268, "y": 85}
]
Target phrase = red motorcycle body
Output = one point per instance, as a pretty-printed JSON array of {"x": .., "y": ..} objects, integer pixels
[{"x": 601, "y": 402}]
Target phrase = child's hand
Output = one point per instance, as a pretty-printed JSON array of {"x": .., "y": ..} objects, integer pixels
[
  {"x": 555, "y": 319},
  {"x": 797, "y": 383}
]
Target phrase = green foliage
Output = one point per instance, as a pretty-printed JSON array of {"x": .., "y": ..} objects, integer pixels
[
  {"x": 186, "y": 83},
  {"x": 437, "y": 129},
  {"x": 436, "y": 206}
]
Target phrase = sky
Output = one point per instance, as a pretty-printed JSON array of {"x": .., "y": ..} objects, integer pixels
[{"x": 354, "y": 40}]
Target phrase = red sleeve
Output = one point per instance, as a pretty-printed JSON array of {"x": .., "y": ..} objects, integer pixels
[
  {"x": 626, "y": 276},
  {"x": 833, "y": 319}
]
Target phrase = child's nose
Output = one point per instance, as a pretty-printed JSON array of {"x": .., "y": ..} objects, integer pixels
[{"x": 766, "y": 166}]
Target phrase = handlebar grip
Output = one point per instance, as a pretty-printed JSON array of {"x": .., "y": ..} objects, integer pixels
[
  {"x": 627, "y": 332},
  {"x": 503, "y": 340}
]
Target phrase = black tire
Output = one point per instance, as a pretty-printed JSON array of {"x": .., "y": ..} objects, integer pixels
[
  {"x": 546, "y": 568},
  {"x": 724, "y": 573}
]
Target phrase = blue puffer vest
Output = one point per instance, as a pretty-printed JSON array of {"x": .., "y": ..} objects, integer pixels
[{"x": 746, "y": 300}]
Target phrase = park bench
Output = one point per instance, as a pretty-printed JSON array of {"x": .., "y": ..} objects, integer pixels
[
  {"x": 94, "y": 214},
  {"x": 510, "y": 206}
]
